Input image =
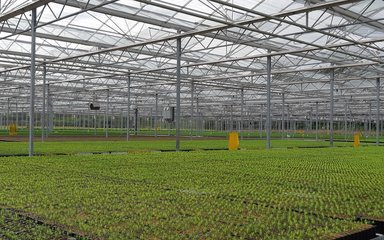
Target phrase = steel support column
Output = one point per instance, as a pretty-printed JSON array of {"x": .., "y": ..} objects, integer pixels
[
  {"x": 242, "y": 115},
  {"x": 32, "y": 83},
  {"x": 345, "y": 121},
  {"x": 8, "y": 112},
  {"x": 268, "y": 122},
  {"x": 231, "y": 120},
  {"x": 49, "y": 108},
  {"x": 107, "y": 116},
  {"x": 17, "y": 115},
  {"x": 136, "y": 119},
  {"x": 332, "y": 82},
  {"x": 128, "y": 104},
  {"x": 94, "y": 123},
  {"x": 310, "y": 122},
  {"x": 44, "y": 101},
  {"x": 317, "y": 121},
  {"x": 261, "y": 122},
  {"x": 178, "y": 75},
  {"x": 288, "y": 121},
  {"x": 377, "y": 111},
  {"x": 198, "y": 117},
  {"x": 191, "y": 123},
  {"x": 370, "y": 119},
  {"x": 156, "y": 111},
  {"x": 283, "y": 117}
]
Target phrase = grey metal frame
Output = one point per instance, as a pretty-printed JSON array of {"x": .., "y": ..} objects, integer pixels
[{"x": 226, "y": 55}]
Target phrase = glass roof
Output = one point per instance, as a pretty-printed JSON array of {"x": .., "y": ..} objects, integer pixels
[{"x": 94, "y": 44}]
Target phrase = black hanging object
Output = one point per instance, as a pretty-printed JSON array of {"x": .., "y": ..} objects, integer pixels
[{"x": 93, "y": 107}]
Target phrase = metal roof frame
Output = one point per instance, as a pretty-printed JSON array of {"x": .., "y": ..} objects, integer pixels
[{"x": 94, "y": 45}]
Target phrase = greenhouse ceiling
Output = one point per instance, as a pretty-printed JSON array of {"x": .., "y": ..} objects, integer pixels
[{"x": 86, "y": 50}]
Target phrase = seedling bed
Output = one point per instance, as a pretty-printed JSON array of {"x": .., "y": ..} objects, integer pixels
[
  {"x": 282, "y": 194},
  {"x": 20, "y": 155},
  {"x": 15, "y": 224},
  {"x": 369, "y": 232}
]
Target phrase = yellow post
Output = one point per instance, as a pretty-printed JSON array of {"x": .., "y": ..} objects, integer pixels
[
  {"x": 356, "y": 139},
  {"x": 12, "y": 129},
  {"x": 233, "y": 143}
]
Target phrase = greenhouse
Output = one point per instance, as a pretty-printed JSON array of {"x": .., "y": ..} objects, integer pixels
[{"x": 191, "y": 119}]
